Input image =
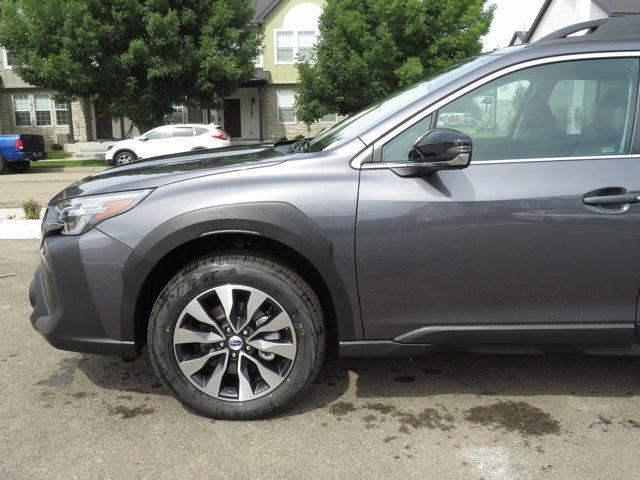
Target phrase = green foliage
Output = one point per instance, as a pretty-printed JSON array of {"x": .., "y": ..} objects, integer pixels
[
  {"x": 56, "y": 147},
  {"x": 31, "y": 209},
  {"x": 369, "y": 48},
  {"x": 138, "y": 58}
]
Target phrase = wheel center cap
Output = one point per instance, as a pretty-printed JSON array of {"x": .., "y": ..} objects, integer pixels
[{"x": 235, "y": 343}]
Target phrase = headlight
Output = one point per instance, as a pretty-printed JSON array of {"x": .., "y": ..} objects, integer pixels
[{"x": 80, "y": 214}]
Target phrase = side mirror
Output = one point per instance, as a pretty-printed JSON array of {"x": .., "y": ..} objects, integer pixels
[{"x": 438, "y": 149}]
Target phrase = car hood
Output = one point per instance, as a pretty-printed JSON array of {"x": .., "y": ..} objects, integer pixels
[{"x": 174, "y": 168}]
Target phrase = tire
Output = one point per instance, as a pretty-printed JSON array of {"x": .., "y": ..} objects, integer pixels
[
  {"x": 3, "y": 165},
  {"x": 20, "y": 167},
  {"x": 124, "y": 157},
  {"x": 218, "y": 389}
]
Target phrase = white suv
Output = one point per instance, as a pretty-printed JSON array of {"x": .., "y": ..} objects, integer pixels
[{"x": 165, "y": 140}]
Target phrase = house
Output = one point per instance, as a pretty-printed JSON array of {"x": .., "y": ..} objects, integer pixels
[
  {"x": 261, "y": 109},
  {"x": 556, "y": 14},
  {"x": 518, "y": 38}
]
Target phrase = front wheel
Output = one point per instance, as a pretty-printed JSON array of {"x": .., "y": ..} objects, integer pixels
[
  {"x": 236, "y": 336},
  {"x": 124, "y": 157}
]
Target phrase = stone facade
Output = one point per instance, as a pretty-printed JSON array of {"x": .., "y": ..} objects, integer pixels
[
  {"x": 80, "y": 113},
  {"x": 276, "y": 130}
]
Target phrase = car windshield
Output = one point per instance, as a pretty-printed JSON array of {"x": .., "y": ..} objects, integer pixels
[{"x": 357, "y": 124}]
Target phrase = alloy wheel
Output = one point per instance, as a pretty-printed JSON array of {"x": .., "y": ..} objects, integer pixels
[
  {"x": 234, "y": 343},
  {"x": 124, "y": 158}
]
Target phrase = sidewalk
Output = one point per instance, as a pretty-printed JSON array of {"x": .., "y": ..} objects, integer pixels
[{"x": 19, "y": 229}]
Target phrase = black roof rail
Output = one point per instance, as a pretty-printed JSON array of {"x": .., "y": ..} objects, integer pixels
[{"x": 621, "y": 28}]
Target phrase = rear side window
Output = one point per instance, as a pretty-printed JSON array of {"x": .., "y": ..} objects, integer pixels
[
  {"x": 183, "y": 131},
  {"x": 576, "y": 108}
]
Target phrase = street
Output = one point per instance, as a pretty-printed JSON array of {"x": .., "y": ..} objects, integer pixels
[
  {"x": 445, "y": 416},
  {"x": 37, "y": 184}
]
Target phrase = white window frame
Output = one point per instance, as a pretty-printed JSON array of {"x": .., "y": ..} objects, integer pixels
[
  {"x": 56, "y": 110},
  {"x": 295, "y": 46},
  {"x": 259, "y": 61},
  {"x": 278, "y": 106},
  {"x": 5, "y": 60},
  {"x": 35, "y": 111},
  {"x": 13, "y": 108}
]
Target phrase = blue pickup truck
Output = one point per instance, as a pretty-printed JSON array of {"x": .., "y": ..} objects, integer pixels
[{"x": 18, "y": 150}]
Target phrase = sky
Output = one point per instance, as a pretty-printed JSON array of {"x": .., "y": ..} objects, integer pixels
[{"x": 509, "y": 16}]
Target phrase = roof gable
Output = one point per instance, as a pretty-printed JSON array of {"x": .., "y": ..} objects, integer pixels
[{"x": 263, "y": 8}]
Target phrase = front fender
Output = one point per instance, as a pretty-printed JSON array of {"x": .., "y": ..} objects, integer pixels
[{"x": 277, "y": 221}]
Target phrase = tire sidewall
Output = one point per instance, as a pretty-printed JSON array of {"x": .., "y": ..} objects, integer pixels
[
  {"x": 129, "y": 152},
  {"x": 192, "y": 283}
]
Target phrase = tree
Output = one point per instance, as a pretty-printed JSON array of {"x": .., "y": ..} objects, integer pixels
[
  {"x": 369, "y": 48},
  {"x": 136, "y": 58}
]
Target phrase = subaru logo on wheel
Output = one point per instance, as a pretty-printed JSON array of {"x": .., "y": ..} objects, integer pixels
[{"x": 235, "y": 343}]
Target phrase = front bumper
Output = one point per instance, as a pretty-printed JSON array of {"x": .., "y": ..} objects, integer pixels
[{"x": 77, "y": 292}]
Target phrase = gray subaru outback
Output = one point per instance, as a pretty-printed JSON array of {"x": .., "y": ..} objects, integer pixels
[{"x": 491, "y": 208}]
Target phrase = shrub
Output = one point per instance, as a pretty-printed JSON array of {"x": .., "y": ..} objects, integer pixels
[
  {"x": 31, "y": 209},
  {"x": 56, "y": 147}
]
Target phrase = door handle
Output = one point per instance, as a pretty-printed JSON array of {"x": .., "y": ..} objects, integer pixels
[{"x": 618, "y": 199}]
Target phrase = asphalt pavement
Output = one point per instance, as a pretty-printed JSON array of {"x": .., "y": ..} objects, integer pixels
[{"x": 66, "y": 415}]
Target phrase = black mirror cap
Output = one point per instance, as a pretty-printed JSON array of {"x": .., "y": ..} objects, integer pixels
[
  {"x": 438, "y": 149},
  {"x": 442, "y": 145}
]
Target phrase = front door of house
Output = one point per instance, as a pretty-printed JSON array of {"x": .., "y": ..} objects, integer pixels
[
  {"x": 232, "y": 117},
  {"x": 104, "y": 126}
]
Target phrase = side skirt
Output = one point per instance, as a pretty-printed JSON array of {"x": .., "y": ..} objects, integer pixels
[{"x": 592, "y": 339}]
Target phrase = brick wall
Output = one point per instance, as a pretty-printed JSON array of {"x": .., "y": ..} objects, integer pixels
[
  {"x": 275, "y": 130},
  {"x": 79, "y": 112}
]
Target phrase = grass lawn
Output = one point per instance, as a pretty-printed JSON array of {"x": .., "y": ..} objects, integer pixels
[
  {"x": 58, "y": 155},
  {"x": 68, "y": 163}
]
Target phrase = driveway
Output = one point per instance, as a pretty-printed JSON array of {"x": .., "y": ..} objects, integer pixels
[{"x": 444, "y": 416}]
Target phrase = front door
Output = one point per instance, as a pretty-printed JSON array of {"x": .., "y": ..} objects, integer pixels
[
  {"x": 510, "y": 240},
  {"x": 104, "y": 125},
  {"x": 231, "y": 109}
]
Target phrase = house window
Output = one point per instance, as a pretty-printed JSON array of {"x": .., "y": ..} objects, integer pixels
[
  {"x": 176, "y": 116},
  {"x": 294, "y": 45},
  {"x": 195, "y": 115},
  {"x": 259, "y": 61},
  {"x": 22, "y": 110},
  {"x": 329, "y": 118},
  {"x": 8, "y": 59},
  {"x": 62, "y": 112},
  {"x": 306, "y": 41},
  {"x": 285, "y": 106},
  {"x": 42, "y": 104},
  {"x": 284, "y": 47}
]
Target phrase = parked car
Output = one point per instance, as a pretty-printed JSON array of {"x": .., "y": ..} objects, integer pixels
[
  {"x": 166, "y": 140},
  {"x": 384, "y": 235},
  {"x": 17, "y": 150}
]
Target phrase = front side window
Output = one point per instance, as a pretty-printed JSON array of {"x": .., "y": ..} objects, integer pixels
[
  {"x": 62, "y": 112},
  {"x": 284, "y": 47},
  {"x": 285, "y": 106},
  {"x": 574, "y": 108},
  {"x": 42, "y": 105},
  {"x": 22, "y": 110},
  {"x": 159, "y": 133}
]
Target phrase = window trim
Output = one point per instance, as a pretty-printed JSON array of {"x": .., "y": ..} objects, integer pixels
[
  {"x": 5, "y": 61},
  {"x": 66, "y": 110},
  {"x": 295, "y": 47},
  {"x": 358, "y": 162}
]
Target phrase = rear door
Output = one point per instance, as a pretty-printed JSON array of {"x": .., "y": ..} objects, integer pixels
[{"x": 541, "y": 229}]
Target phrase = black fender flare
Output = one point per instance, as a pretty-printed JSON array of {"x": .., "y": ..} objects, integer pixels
[{"x": 277, "y": 221}]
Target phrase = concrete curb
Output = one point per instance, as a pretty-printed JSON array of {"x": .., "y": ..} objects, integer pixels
[{"x": 19, "y": 229}]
